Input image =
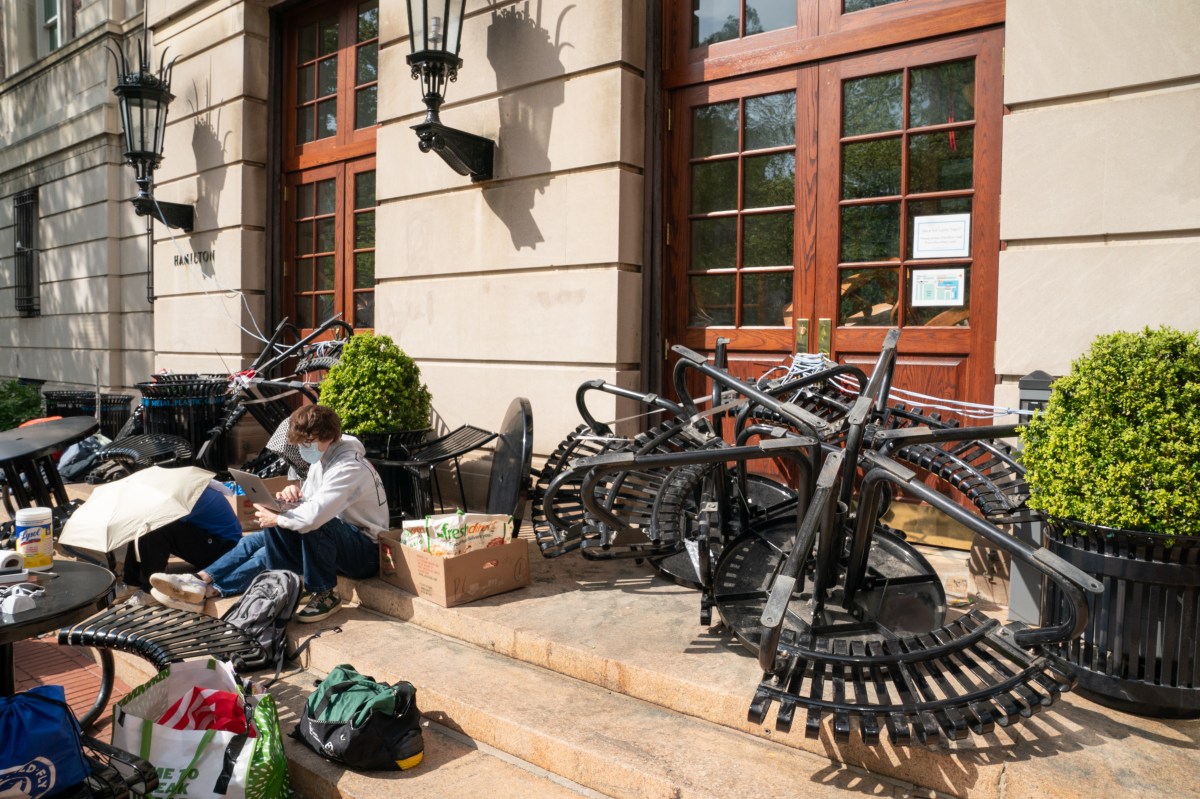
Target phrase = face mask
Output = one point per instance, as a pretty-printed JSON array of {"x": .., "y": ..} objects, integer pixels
[
  {"x": 19, "y": 598},
  {"x": 310, "y": 453}
]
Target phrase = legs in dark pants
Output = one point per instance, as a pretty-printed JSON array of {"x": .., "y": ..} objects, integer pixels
[
  {"x": 320, "y": 555},
  {"x": 182, "y": 539}
]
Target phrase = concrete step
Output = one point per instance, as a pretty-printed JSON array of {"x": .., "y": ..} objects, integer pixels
[
  {"x": 611, "y": 651},
  {"x": 609, "y": 742}
]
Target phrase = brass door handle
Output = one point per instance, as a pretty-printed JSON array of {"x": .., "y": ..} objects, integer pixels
[{"x": 824, "y": 333}]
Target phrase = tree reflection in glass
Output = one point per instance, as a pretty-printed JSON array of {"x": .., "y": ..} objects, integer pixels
[{"x": 868, "y": 297}]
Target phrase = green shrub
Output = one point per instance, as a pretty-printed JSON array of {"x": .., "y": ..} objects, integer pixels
[
  {"x": 18, "y": 403},
  {"x": 376, "y": 388},
  {"x": 1119, "y": 442}
]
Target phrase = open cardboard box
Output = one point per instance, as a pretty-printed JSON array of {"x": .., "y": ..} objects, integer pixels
[
  {"x": 244, "y": 508},
  {"x": 457, "y": 580}
]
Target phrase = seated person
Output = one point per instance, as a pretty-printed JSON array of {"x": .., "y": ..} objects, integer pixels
[
  {"x": 341, "y": 508},
  {"x": 209, "y": 531}
]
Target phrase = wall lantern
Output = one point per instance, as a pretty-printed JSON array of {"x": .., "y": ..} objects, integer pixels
[
  {"x": 144, "y": 98},
  {"x": 1034, "y": 391},
  {"x": 436, "y": 28}
]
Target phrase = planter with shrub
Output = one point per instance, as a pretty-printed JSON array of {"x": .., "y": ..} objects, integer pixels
[
  {"x": 1114, "y": 463},
  {"x": 19, "y": 403},
  {"x": 377, "y": 391}
]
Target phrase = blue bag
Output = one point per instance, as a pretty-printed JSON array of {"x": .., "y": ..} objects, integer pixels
[{"x": 41, "y": 754}]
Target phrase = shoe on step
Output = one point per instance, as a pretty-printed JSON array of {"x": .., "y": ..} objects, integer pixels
[
  {"x": 175, "y": 602},
  {"x": 185, "y": 587},
  {"x": 322, "y": 605}
]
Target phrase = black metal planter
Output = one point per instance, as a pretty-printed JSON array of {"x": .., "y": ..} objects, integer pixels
[{"x": 1139, "y": 652}]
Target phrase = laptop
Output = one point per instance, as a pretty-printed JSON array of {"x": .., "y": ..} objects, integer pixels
[{"x": 257, "y": 492}]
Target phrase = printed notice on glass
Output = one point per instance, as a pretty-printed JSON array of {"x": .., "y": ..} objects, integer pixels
[
  {"x": 942, "y": 236},
  {"x": 938, "y": 287}
]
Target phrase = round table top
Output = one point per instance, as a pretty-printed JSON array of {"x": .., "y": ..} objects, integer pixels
[
  {"x": 78, "y": 591},
  {"x": 45, "y": 437}
]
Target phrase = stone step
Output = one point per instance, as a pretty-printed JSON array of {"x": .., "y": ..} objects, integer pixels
[{"x": 608, "y": 742}]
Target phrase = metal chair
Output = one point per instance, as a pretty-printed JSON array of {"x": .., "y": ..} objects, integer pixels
[{"x": 426, "y": 457}]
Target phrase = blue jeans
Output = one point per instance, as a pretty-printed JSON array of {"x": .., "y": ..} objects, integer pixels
[
  {"x": 232, "y": 572},
  {"x": 319, "y": 555}
]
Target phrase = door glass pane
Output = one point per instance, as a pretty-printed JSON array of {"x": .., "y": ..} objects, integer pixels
[
  {"x": 770, "y": 121},
  {"x": 324, "y": 308},
  {"x": 306, "y": 49},
  {"x": 714, "y": 21},
  {"x": 870, "y": 232},
  {"x": 767, "y": 240},
  {"x": 941, "y": 161},
  {"x": 304, "y": 314},
  {"x": 326, "y": 192},
  {"x": 304, "y": 238},
  {"x": 328, "y": 36},
  {"x": 368, "y": 21},
  {"x": 364, "y": 230},
  {"x": 367, "y": 69},
  {"x": 871, "y": 169},
  {"x": 942, "y": 93},
  {"x": 364, "y": 189},
  {"x": 765, "y": 296},
  {"x": 305, "y": 126},
  {"x": 714, "y": 187},
  {"x": 325, "y": 235},
  {"x": 770, "y": 180},
  {"x": 366, "y": 107},
  {"x": 850, "y": 6},
  {"x": 769, "y": 15},
  {"x": 873, "y": 104},
  {"x": 325, "y": 273},
  {"x": 714, "y": 129},
  {"x": 364, "y": 270},
  {"x": 867, "y": 297},
  {"x": 952, "y": 205},
  {"x": 942, "y": 300},
  {"x": 364, "y": 309},
  {"x": 326, "y": 118},
  {"x": 304, "y": 201},
  {"x": 710, "y": 301},
  {"x": 327, "y": 77},
  {"x": 304, "y": 274},
  {"x": 714, "y": 243},
  {"x": 305, "y": 84}
]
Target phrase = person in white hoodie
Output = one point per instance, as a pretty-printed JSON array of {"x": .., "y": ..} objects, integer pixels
[{"x": 331, "y": 528}]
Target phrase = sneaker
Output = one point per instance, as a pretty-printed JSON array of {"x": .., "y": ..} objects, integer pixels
[
  {"x": 185, "y": 587},
  {"x": 141, "y": 599},
  {"x": 174, "y": 602},
  {"x": 321, "y": 606}
]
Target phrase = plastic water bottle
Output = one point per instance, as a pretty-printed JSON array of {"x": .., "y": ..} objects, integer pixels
[{"x": 35, "y": 538}]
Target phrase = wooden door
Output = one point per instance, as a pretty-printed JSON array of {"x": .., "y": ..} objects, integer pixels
[{"x": 813, "y": 207}]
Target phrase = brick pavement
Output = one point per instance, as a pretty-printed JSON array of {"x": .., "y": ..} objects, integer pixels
[{"x": 41, "y": 661}]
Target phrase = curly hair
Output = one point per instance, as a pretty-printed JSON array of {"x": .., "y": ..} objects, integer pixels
[{"x": 313, "y": 422}]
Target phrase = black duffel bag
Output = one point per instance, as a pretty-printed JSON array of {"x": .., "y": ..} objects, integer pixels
[{"x": 369, "y": 726}]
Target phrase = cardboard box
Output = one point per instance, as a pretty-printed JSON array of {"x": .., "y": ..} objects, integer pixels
[
  {"x": 457, "y": 580},
  {"x": 244, "y": 508}
]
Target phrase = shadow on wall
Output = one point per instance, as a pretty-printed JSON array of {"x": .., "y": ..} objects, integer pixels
[
  {"x": 521, "y": 52},
  {"x": 208, "y": 148}
]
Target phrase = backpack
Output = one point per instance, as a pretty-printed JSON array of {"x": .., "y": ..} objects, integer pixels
[
  {"x": 263, "y": 613},
  {"x": 367, "y": 725}
]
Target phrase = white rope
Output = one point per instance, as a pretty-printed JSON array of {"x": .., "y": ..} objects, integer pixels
[{"x": 805, "y": 364}]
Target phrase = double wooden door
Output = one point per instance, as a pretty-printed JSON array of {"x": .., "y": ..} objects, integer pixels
[{"x": 813, "y": 207}]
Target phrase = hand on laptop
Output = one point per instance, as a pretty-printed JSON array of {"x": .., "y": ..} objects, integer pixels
[
  {"x": 265, "y": 516},
  {"x": 290, "y": 493}
]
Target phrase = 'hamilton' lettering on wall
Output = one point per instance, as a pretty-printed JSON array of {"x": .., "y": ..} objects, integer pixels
[{"x": 196, "y": 257}]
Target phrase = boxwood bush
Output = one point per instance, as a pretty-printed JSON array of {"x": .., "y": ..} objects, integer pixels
[
  {"x": 18, "y": 403},
  {"x": 376, "y": 388},
  {"x": 1119, "y": 441}
]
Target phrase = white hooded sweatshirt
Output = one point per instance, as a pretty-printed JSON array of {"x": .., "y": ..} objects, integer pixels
[{"x": 343, "y": 484}]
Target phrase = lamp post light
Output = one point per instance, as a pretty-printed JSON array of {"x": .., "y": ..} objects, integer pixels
[
  {"x": 144, "y": 97},
  {"x": 436, "y": 34}
]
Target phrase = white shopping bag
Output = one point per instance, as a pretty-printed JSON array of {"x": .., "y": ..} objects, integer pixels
[{"x": 202, "y": 764}]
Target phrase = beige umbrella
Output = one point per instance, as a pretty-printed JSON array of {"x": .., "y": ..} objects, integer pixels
[{"x": 126, "y": 509}]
